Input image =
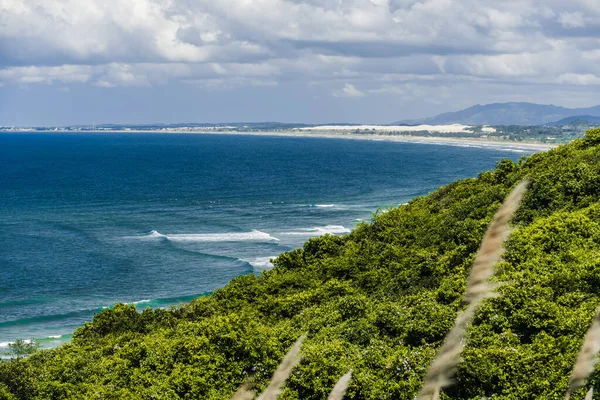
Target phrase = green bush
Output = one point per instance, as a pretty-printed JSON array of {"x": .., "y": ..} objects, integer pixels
[{"x": 379, "y": 300}]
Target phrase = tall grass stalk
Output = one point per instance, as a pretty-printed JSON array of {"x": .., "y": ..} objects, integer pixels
[
  {"x": 443, "y": 367},
  {"x": 587, "y": 358},
  {"x": 590, "y": 394},
  {"x": 339, "y": 390},
  {"x": 291, "y": 359},
  {"x": 243, "y": 393}
]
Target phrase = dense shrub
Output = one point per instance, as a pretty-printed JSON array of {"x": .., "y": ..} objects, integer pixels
[{"x": 378, "y": 300}]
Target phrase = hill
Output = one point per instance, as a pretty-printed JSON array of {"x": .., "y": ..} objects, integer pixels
[
  {"x": 379, "y": 300},
  {"x": 578, "y": 120},
  {"x": 507, "y": 114}
]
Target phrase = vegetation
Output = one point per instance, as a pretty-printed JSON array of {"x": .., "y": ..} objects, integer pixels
[
  {"x": 536, "y": 133},
  {"x": 379, "y": 301},
  {"x": 562, "y": 132},
  {"x": 22, "y": 348},
  {"x": 546, "y": 133}
]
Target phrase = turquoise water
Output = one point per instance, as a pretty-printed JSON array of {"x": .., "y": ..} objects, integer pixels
[{"x": 90, "y": 220}]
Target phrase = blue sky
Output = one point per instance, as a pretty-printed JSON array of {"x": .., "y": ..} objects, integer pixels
[{"x": 378, "y": 61}]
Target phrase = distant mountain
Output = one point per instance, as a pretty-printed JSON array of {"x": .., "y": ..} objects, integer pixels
[
  {"x": 578, "y": 120},
  {"x": 507, "y": 114}
]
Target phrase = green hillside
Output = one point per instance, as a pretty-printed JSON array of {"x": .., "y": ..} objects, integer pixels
[{"x": 379, "y": 300}]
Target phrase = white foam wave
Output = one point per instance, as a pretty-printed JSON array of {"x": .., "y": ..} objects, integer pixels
[
  {"x": 253, "y": 236},
  {"x": 5, "y": 344},
  {"x": 142, "y": 301},
  {"x": 325, "y": 205},
  {"x": 154, "y": 234},
  {"x": 318, "y": 231},
  {"x": 261, "y": 263}
]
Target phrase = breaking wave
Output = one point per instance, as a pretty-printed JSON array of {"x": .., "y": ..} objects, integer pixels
[
  {"x": 318, "y": 231},
  {"x": 261, "y": 263},
  {"x": 252, "y": 236}
]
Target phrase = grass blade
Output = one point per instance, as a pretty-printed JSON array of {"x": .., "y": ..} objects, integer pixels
[
  {"x": 491, "y": 247},
  {"x": 441, "y": 371},
  {"x": 339, "y": 390},
  {"x": 587, "y": 358},
  {"x": 243, "y": 393},
  {"x": 291, "y": 359}
]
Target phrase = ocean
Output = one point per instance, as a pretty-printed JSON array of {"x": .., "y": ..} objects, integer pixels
[{"x": 88, "y": 220}]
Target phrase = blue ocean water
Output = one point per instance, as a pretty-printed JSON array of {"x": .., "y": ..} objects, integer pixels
[{"x": 90, "y": 220}]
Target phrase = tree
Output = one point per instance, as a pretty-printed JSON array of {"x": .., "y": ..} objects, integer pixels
[{"x": 23, "y": 348}]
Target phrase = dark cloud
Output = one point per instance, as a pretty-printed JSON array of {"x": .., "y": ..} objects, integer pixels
[{"x": 190, "y": 35}]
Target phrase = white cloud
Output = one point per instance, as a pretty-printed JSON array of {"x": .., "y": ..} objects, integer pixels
[
  {"x": 591, "y": 55},
  {"x": 440, "y": 62},
  {"x": 381, "y": 46},
  {"x": 572, "y": 20},
  {"x": 502, "y": 65},
  {"x": 579, "y": 79},
  {"x": 227, "y": 30},
  {"x": 143, "y": 74},
  {"x": 230, "y": 83},
  {"x": 348, "y": 91},
  {"x": 104, "y": 84},
  {"x": 47, "y": 75}
]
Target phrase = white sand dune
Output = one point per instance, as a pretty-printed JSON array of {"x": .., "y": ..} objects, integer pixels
[{"x": 453, "y": 128}]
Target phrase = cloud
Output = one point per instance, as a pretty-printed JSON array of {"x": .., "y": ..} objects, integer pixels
[
  {"x": 572, "y": 20},
  {"x": 143, "y": 74},
  {"x": 352, "y": 48},
  {"x": 348, "y": 91},
  {"x": 47, "y": 75},
  {"x": 190, "y": 35},
  {"x": 153, "y": 31},
  {"x": 229, "y": 84},
  {"x": 579, "y": 79}
]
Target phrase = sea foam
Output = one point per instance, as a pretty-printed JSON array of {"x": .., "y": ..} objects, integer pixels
[
  {"x": 6, "y": 344},
  {"x": 318, "y": 231},
  {"x": 253, "y": 236},
  {"x": 261, "y": 263},
  {"x": 45, "y": 342}
]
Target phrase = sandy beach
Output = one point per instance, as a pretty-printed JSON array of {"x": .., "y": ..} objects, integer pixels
[{"x": 523, "y": 147}]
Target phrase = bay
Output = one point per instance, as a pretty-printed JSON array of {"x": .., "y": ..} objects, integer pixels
[{"x": 87, "y": 220}]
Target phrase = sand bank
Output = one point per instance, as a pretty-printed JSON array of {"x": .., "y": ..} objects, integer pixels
[
  {"x": 507, "y": 145},
  {"x": 523, "y": 147}
]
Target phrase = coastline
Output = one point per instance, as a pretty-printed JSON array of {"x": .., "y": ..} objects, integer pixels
[
  {"x": 439, "y": 140},
  {"x": 54, "y": 339}
]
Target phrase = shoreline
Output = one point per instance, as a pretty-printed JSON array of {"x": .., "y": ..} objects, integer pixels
[
  {"x": 439, "y": 140},
  {"x": 436, "y": 140},
  {"x": 59, "y": 339}
]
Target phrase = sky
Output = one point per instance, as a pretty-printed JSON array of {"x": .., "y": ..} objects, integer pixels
[{"x": 68, "y": 62}]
